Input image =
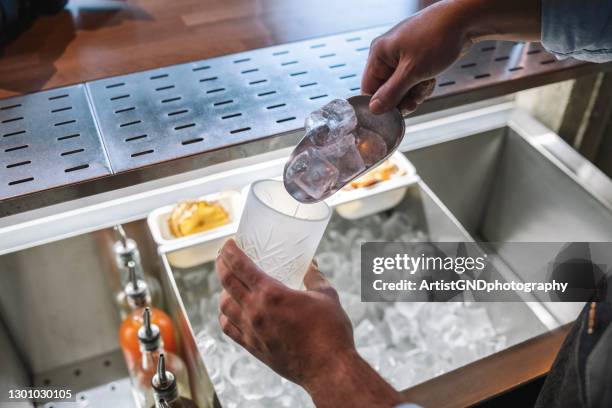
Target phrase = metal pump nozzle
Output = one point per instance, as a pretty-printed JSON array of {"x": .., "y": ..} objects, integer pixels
[
  {"x": 132, "y": 274},
  {"x": 161, "y": 371},
  {"x": 121, "y": 235},
  {"x": 147, "y": 322},
  {"x": 125, "y": 248},
  {"x": 148, "y": 335},
  {"x": 136, "y": 289},
  {"x": 164, "y": 382}
]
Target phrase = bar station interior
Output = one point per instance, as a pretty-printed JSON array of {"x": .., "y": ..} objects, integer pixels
[{"x": 131, "y": 130}]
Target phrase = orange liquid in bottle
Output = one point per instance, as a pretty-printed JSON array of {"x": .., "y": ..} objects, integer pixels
[{"x": 128, "y": 333}]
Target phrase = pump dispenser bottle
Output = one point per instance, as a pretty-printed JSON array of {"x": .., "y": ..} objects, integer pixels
[
  {"x": 165, "y": 388},
  {"x": 126, "y": 251},
  {"x": 137, "y": 294},
  {"x": 151, "y": 347}
]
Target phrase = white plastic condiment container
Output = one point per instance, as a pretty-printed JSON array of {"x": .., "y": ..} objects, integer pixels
[
  {"x": 364, "y": 201},
  {"x": 195, "y": 249}
]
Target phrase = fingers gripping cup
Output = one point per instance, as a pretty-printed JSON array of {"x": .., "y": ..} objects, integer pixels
[{"x": 279, "y": 233}]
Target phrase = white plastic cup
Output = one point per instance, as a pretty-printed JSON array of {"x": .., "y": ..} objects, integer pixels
[{"x": 280, "y": 234}]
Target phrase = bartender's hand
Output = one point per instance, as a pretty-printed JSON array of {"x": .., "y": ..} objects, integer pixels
[
  {"x": 404, "y": 62},
  {"x": 305, "y": 336}
]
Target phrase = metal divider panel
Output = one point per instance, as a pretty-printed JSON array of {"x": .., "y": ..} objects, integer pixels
[
  {"x": 167, "y": 113},
  {"x": 493, "y": 62},
  {"x": 48, "y": 139}
]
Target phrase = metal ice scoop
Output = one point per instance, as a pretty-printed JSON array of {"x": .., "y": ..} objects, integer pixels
[{"x": 319, "y": 165}]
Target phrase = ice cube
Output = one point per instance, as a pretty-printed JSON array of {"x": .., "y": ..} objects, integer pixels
[
  {"x": 331, "y": 121},
  {"x": 372, "y": 355},
  {"x": 477, "y": 319},
  {"x": 345, "y": 156},
  {"x": 394, "y": 226},
  {"x": 298, "y": 165},
  {"x": 427, "y": 364},
  {"x": 401, "y": 328},
  {"x": 397, "y": 368},
  {"x": 312, "y": 173},
  {"x": 350, "y": 165},
  {"x": 353, "y": 306},
  {"x": 409, "y": 309},
  {"x": 367, "y": 335},
  {"x": 329, "y": 262},
  {"x": 318, "y": 132},
  {"x": 371, "y": 146}
]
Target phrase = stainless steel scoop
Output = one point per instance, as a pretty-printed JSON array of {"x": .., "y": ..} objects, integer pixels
[{"x": 390, "y": 126}]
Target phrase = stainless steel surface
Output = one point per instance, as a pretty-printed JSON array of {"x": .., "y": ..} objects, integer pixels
[
  {"x": 460, "y": 172},
  {"x": 202, "y": 391},
  {"x": 135, "y": 202},
  {"x": 496, "y": 68},
  {"x": 550, "y": 205},
  {"x": 47, "y": 297},
  {"x": 116, "y": 394},
  {"x": 390, "y": 126},
  {"x": 179, "y": 112},
  {"x": 48, "y": 139},
  {"x": 81, "y": 216},
  {"x": 504, "y": 188},
  {"x": 568, "y": 159},
  {"x": 14, "y": 373},
  {"x": 517, "y": 321},
  {"x": 84, "y": 215},
  {"x": 472, "y": 172},
  {"x": 84, "y": 374},
  {"x": 136, "y": 180},
  {"x": 507, "y": 185},
  {"x": 36, "y": 279}
]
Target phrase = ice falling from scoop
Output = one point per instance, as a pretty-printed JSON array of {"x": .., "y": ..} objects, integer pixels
[{"x": 334, "y": 151}]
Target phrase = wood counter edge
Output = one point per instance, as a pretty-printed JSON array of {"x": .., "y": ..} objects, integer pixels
[{"x": 491, "y": 376}]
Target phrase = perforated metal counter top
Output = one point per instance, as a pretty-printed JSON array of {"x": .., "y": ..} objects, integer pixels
[
  {"x": 48, "y": 139},
  {"x": 148, "y": 118}
]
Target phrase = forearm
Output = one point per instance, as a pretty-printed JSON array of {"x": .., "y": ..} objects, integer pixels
[
  {"x": 352, "y": 383},
  {"x": 517, "y": 20}
]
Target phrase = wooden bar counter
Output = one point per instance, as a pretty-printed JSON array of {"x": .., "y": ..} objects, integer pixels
[{"x": 96, "y": 39}]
